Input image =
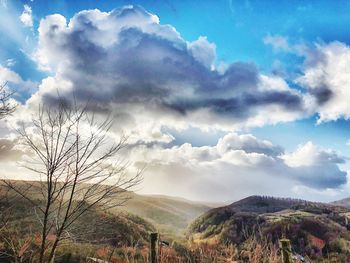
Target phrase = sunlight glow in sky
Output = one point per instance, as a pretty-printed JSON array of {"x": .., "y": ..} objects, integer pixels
[{"x": 221, "y": 99}]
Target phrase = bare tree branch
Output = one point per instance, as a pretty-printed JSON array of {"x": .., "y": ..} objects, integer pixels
[
  {"x": 78, "y": 169},
  {"x": 6, "y": 107}
]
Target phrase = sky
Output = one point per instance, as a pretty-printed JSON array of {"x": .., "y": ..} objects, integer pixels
[{"x": 220, "y": 99}]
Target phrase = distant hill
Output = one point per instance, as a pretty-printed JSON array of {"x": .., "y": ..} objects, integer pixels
[
  {"x": 312, "y": 227},
  {"x": 262, "y": 204},
  {"x": 343, "y": 202},
  {"x": 94, "y": 227},
  {"x": 171, "y": 215}
]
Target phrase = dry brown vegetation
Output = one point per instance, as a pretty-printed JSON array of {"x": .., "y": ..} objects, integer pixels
[{"x": 254, "y": 251}]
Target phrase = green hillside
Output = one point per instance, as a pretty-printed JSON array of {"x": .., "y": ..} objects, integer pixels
[
  {"x": 315, "y": 229},
  {"x": 93, "y": 227},
  {"x": 170, "y": 215},
  {"x": 94, "y": 231}
]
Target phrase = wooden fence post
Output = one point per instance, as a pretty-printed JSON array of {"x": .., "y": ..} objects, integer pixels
[
  {"x": 286, "y": 249},
  {"x": 154, "y": 241}
]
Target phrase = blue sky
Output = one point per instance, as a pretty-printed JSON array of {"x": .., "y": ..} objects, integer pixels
[
  {"x": 293, "y": 45},
  {"x": 236, "y": 27}
]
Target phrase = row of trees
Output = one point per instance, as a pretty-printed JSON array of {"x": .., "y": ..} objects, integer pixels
[{"x": 75, "y": 166}]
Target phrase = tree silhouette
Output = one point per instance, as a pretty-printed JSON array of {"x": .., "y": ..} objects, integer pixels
[
  {"x": 6, "y": 107},
  {"x": 76, "y": 167}
]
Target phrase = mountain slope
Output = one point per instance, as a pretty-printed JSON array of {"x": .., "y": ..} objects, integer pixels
[
  {"x": 93, "y": 227},
  {"x": 313, "y": 228},
  {"x": 170, "y": 215},
  {"x": 343, "y": 202}
]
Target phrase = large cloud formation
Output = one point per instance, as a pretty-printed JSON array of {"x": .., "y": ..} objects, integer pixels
[
  {"x": 128, "y": 62},
  {"x": 239, "y": 165},
  {"x": 150, "y": 79}
]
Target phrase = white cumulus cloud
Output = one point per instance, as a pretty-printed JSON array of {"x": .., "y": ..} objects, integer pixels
[
  {"x": 326, "y": 76},
  {"x": 132, "y": 65},
  {"x": 26, "y": 16},
  {"x": 240, "y": 165}
]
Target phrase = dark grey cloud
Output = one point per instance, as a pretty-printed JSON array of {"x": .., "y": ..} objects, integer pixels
[
  {"x": 321, "y": 176},
  {"x": 126, "y": 56},
  {"x": 322, "y": 94}
]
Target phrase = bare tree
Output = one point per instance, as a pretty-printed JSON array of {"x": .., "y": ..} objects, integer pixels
[
  {"x": 76, "y": 168},
  {"x": 6, "y": 107}
]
